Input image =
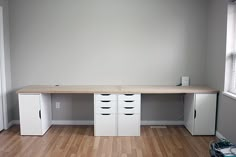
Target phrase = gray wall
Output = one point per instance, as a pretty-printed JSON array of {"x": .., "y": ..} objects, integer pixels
[
  {"x": 154, "y": 107},
  {"x": 216, "y": 66},
  {"x": 143, "y": 42},
  {"x": 10, "y": 107}
]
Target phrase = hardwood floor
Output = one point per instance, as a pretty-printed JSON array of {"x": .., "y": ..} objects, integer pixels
[{"x": 72, "y": 141}]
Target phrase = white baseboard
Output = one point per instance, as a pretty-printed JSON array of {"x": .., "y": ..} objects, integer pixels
[
  {"x": 72, "y": 122},
  {"x": 162, "y": 122},
  {"x": 13, "y": 122},
  {"x": 91, "y": 122},
  {"x": 219, "y": 135}
]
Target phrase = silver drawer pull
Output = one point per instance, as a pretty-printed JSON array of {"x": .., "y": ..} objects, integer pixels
[
  {"x": 105, "y": 114},
  {"x": 129, "y": 94},
  {"x": 105, "y": 94},
  {"x": 105, "y": 101},
  {"x": 129, "y": 100},
  {"x": 128, "y": 107},
  {"x": 105, "y": 107},
  {"x": 129, "y": 114}
]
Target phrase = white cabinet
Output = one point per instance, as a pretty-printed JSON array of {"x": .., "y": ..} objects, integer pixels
[
  {"x": 129, "y": 114},
  {"x": 117, "y": 114},
  {"x": 200, "y": 113},
  {"x": 35, "y": 113},
  {"x": 105, "y": 115}
]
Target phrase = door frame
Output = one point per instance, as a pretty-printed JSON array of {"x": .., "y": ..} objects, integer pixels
[{"x": 3, "y": 71}]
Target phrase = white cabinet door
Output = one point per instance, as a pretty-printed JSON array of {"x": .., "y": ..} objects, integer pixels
[
  {"x": 1, "y": 109},
  {"x": 105, "y": 124},
  {"x": 189, "y": 105},
  {"x": 204, "y": 122},
  {"x": 30, "y": 114},
  {"x": 129, "y": 124},
  {"x": 46, "y": 112}
]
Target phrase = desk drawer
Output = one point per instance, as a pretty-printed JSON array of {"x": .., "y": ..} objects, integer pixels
[
  {"x": 129, "y": 97},
  {"x": 128, "y": 109},
  {"x": 105, "y": 103},
  {"x": 105, "y": 109},
  {"x": 105, "y": 97},
  {"x": 105, "y": 124},
  {"x": 125, "y": 103},
  {"x": 128, "y": 124}
]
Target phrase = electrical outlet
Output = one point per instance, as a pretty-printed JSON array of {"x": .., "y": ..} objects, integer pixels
[{"x": 58, "y": 105}]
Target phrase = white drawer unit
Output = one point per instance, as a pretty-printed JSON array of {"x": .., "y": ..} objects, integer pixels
[
  {"x": 128, "y": 124},
  {"x": 117, "y": 114},
  {"x": 129, "y": 114},
  {"x": 200, "y": 113},
  {"x": 105, "y": 115},
  {"x": 35, "y": 113}
]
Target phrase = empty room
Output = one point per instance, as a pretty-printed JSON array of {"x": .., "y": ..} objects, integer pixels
[{"x": 117, "y": 78}]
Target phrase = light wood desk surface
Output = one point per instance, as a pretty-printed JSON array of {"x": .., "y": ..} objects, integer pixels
[{"x": 118, "y": 89}]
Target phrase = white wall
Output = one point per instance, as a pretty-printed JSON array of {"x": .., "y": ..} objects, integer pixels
[
  {"x": 10, "y": 107},
  {"x": 151, "y": 42},
  {"x": 215, "y": 66}
]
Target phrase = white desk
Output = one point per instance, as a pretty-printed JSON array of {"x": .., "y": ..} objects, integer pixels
[{"x": 199, "y": 104}]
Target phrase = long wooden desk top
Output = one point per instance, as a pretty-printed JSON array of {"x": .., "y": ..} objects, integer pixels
[{"x": 118, "y": 89}]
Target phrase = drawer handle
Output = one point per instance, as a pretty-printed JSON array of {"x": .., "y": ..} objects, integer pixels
[
  {"x": 105, "y": 101},
  {"x": 105, "y": 114},
  {"x": 128, "y": 107},
  {"x": 105, "y": 94},
  {"x": 129, "y": 114},
  {"x": 129, "y": 94},
  {"x": 105, "y": 107},
  {"x": 129, "y": 101},
  {"x": 39, "y": 114}
]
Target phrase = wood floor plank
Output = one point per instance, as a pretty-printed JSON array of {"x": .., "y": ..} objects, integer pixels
[{"x": 78, "y": 141}]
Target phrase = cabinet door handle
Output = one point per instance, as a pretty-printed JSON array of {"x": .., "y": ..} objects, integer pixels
[
  {"x": 40, "y": 114},
  {"x": 105, "y": 114},
  {"x": 129, "y": 94},
  {"x": 129, "y": 100},
  {"x": 195, "y": 114},
  {"x": 105, "y": 107},
  {"x": 105, "y": 94},
  {"x": 128, "y": 107},
  {"x": 129, "y": 114},
  {"x": 105, "y": 101}
]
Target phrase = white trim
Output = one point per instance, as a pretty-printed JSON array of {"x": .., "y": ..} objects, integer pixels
[
  {"x": 219, "y": 135},
  {"x": 13, "y": 122},
  {"x": 3, "y": 74},
  {"x": 72, "y": 122},
  {"x": 162, "y": 122},
  {"x": 230, "y": 95},
  {"x": 91, "y": 122}
]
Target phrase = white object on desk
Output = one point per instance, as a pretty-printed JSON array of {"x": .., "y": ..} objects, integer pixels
[
  {"x": 185, "y": 81},
  {"x": 200, "y": 113},
  {"x": 35, "y": 113}
]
